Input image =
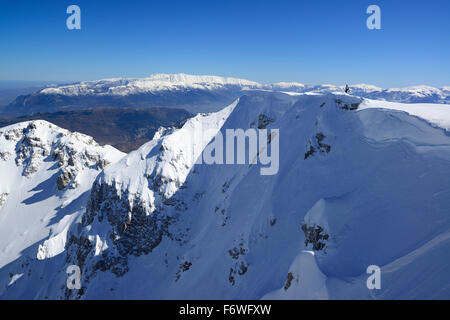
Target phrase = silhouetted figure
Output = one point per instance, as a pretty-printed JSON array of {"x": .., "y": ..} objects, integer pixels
[{"x": 346, "y": 88}]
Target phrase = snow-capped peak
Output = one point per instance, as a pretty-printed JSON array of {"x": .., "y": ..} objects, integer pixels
[
  {"x": 46, "y": 172},
  {"x": 31, "y": 142}
]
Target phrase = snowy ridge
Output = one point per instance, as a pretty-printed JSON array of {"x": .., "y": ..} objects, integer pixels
[
  {"x": 154, "y": 83},
  {"x": 361, "y": 183},
  {"x": 45, "y": 174},
  {"x": 180, "y": 82},
  {"x": 177, "y": 150}
]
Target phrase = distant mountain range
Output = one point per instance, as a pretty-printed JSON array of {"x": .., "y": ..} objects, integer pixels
[{"x": 192, "y": 93}]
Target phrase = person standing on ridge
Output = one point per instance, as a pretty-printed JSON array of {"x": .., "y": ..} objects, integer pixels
[{"x": 346, "y": 88}]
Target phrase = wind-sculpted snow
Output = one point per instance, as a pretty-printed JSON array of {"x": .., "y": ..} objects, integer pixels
[{"x": 360, "y": 183}]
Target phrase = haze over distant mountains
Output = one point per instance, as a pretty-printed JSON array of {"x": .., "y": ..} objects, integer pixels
[
  {"x": 124, "y": 128},
  {"x": 10, "y": 89},
  {"x": 192, "y": 93}
]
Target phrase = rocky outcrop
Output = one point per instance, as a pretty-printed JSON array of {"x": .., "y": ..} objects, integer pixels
[
  {"x": 36, "y": 142},
  {"x": 315, "y": 235},
  {"x": 346, "y": 105},
  {"x": 3, "y": 197},
  {"x": 264, "y": 121},
  {"x": 64, "y": 179},
  {"x": 317, "y": 144},
  {"x": 289, "y": 279},
  {"x": 133, "y": 229},
  {"x": 31, "y": 150}
]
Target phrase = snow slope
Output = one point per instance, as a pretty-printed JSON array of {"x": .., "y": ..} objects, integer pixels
[{"x": 360, "y": 183}]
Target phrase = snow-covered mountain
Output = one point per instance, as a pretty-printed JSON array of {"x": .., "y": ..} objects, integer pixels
[
  {"x": 177, "y": 82},
  {"x": 45, "y": 176},
  {"x": 193, "y": 93},
  {"x": 360, "y": 183},
  {"x": 152, "y": 84}
]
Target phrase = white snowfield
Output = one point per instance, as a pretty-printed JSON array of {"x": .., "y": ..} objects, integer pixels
[
  {"x": 183, "y": 82},
  {"x": 437, "y": 114},
  {"x": 360, "y": 183}
]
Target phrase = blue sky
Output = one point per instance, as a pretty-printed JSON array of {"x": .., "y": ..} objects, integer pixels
[{"x": 306, "y": 41}]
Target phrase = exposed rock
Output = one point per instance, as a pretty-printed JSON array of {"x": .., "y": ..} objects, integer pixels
[
  {"x": 64, "y": 179},
  {"x": 264, "y": 121},
  {"x": 236, "y": 252},
  {"x": 3, "y": 197},
  {"x": 135, "y": 229},
  {"x": 225, "y": 187},
  {"x": 310, "y": 152},
  {"x": 242, "y": 268},
  {"x": 317, "y": 144},
  {"x": 289, "y": 279},
  {"x": 183, "y": 267},
  {"x": 322, "y": 146},
  {"x": 315, "y": 235},
  {"x": 347, "y": 106},
  {"x": 231, "y": 276},
  {"x": 73, "y": 152},
  {"x": 5, "y": 155}
]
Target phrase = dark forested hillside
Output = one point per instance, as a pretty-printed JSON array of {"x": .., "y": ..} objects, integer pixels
[{"x": 126, "y": 129}]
